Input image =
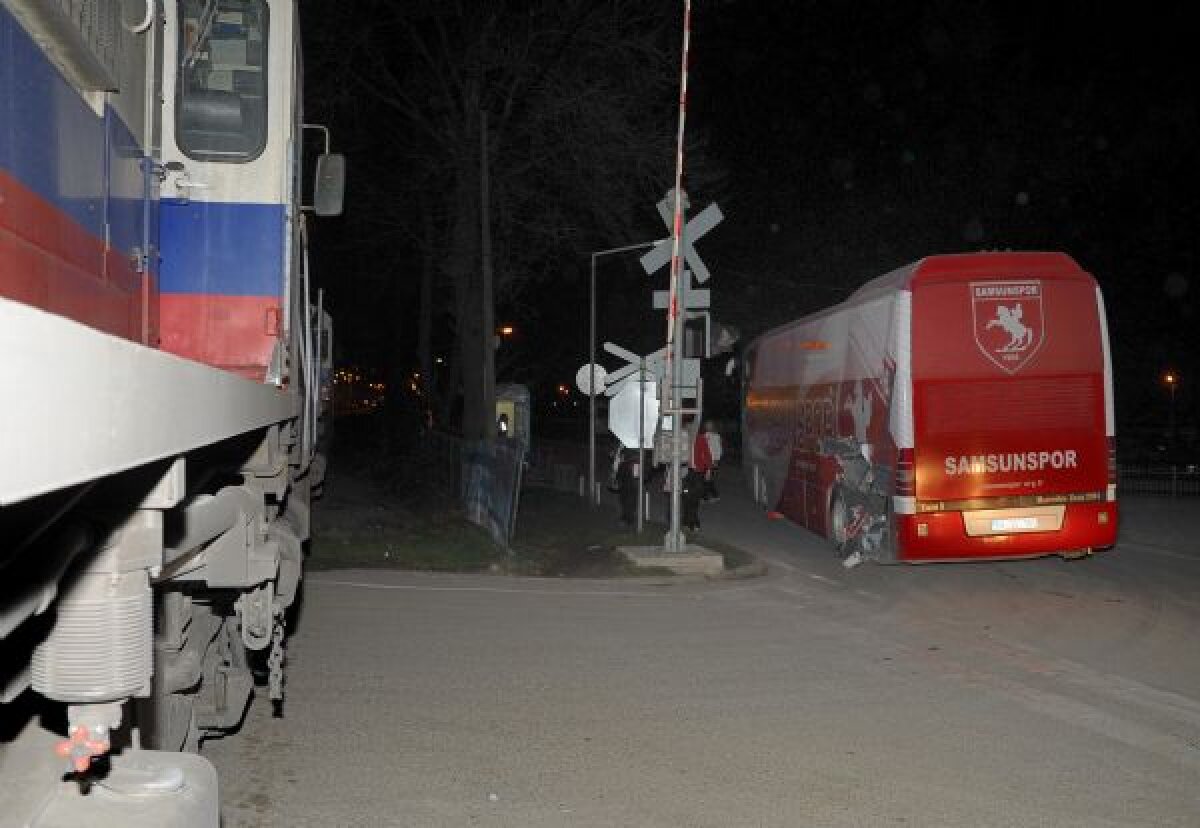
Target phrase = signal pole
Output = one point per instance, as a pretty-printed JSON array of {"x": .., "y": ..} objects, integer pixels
[{"x": 675, "y": 541}]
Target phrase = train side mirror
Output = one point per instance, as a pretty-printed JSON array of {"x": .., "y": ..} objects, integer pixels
[{"x": 330, "y": 185}]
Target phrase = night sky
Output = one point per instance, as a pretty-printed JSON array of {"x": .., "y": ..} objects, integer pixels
[{"x": 844, "y": 140}]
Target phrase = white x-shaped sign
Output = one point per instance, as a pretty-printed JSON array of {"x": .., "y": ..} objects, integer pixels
[
  {"x": 697, "y": 226},
  {"x": 655, "y": 365}
]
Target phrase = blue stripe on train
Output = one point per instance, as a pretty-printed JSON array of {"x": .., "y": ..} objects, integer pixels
[
  {"x": 222, "y": 248},
  {"x": 53, "y": 143},
  {"x": 49, "y": 139}
]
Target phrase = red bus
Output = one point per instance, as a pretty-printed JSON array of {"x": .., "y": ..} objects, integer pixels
[{"x": 958, "y": 408}]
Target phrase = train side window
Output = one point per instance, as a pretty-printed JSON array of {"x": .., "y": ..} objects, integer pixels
[{"x": 221, "y": 94}]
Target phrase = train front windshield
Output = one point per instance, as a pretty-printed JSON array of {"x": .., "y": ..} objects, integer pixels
[{"x": 222, "y": 91}]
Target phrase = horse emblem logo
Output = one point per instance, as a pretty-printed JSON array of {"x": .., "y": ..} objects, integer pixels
[{"x": 1009, "y": 325}]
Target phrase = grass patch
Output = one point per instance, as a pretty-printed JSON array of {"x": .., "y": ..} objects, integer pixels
[
  {"x": 557, "y": 534},
  {"x": 442, "y": 541},
  {"x": 364, "y": 525}
]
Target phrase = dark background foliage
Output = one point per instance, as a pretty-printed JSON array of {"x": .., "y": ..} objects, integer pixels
[{"x": 841, "y": 140}]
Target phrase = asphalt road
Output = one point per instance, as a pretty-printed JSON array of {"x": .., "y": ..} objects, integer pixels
[{"x": 1021, "y": 694}]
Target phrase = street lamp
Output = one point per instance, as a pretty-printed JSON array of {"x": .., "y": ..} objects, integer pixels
[
  {"x": 1171, "y": 380},
  {"x": 592, "y": 361}
]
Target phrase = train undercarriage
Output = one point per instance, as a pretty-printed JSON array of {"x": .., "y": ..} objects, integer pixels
[{"x": 140, "y": 610}]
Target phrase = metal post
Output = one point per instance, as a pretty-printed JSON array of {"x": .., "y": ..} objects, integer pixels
[
  {"x": 675, "y": 541},
  {"x": 593, "y": 494},
  {"x": 641, "y": 516},
  {"x": 592, "y": 387}
]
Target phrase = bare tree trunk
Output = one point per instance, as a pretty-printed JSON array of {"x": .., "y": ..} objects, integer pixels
[
  {"x": 462, "y": 265},
  {"x": 486, "y": 300},
  {"x": 397, "y": 372},
  {"x": 475, "y": 425},
  {"x": 450, "y": 378},
  {"x": 425, "y": 318}
]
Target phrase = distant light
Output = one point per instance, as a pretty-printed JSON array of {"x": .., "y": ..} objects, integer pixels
[
  {"x": 1169, "y": 378},
  {"x": 507, "y": 330},
  {"x": 439, "y": 360}
]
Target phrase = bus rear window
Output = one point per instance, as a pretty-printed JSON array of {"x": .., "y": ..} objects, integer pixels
[{"x": 221, "y": 104}]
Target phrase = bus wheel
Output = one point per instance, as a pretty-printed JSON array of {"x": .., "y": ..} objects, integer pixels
[{"x": 839, "y": 519}]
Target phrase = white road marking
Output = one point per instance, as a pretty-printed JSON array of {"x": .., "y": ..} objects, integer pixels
[
  {"x": 825, "y": 580},
  {"x": 417, "y": 588}
]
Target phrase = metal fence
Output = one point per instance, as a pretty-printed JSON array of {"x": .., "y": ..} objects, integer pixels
[
  {"x": 1173, "y": 481},
  {"x": 484, "y": 476},
  {"x": 491, "y": 485}
]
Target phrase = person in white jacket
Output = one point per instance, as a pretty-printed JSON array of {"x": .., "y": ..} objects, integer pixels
[{"x": 714, "y": 449}]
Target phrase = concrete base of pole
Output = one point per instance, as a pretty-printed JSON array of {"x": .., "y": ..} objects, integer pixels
[
  {"x": 674, "y": 542},
  {"x": 694, "y": 560}
]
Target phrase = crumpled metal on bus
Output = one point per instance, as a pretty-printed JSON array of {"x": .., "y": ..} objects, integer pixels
[{"x": 866, "y": 487}]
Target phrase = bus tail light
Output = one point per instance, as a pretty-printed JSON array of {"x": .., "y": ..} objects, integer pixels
[{"x": 906, "y": 473}]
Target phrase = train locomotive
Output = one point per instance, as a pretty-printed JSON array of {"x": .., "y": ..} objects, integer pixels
[{"x": 164, "y": 368}]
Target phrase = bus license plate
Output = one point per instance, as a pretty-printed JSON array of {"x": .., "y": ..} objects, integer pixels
[{"x": 1009, "y": 524}]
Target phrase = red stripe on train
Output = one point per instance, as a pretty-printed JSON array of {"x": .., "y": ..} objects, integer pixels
[
  {"x": 49, "y": 261},
  {"x": 237, "y": 333}
]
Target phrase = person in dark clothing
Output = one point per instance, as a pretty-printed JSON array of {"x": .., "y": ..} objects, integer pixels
[
  {"x": 692, "y": 492},
  {"x": 627, "y": 472},
  {"x": 693, "y": 481}
]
